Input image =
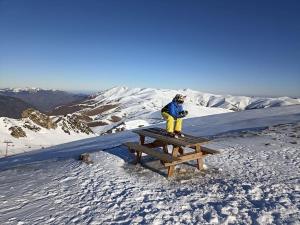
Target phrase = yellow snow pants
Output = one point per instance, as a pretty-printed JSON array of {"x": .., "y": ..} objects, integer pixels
[{"x": 170, "y": 122}]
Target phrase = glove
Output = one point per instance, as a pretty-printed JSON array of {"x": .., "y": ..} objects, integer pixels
[{"x": 183, "y": 113}]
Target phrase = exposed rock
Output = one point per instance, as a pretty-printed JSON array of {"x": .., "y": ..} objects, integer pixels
[
  {"x": 17, "y": 132},
  {"x": 84, "y": 117},
  {"x": 74, "y": 122},
  {"x": 85, "y": 157},
  {"x": 97, "y": 123},
  {"x": 31, "y": 126},
  {"x": 39, "y": 118},
  {"x": 115, "y": 119},
  {"x": 101, "y": 109}
]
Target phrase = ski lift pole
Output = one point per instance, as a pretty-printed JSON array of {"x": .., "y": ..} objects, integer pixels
[{"x": 7, "y": 144}]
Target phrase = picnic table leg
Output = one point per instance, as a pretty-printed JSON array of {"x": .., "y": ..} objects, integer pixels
[
  {"x": 172, "y": 168},
  {"x": 138, "y": 156},
  {"x": 171, "y": 171},
  {"x": 199, "y": 161},
  {"x": 165, "y": 149},
  {"x": 181, "y": 150},
  {"x": 142, "y": 139}
]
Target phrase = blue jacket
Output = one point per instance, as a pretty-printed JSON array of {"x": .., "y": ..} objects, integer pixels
[{"x": 173, "y": 108}]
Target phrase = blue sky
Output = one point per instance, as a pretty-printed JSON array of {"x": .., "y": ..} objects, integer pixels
[{"x": 234, "y": 47}]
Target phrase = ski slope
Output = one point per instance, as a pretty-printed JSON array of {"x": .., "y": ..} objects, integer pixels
[{"x": 255, "y": 180}]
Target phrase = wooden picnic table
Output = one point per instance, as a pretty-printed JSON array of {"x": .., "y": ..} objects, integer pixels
[{"x": 177, "y": 155}]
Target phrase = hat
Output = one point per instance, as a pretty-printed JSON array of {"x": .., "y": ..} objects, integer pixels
[{"x": 179, "y": 98}]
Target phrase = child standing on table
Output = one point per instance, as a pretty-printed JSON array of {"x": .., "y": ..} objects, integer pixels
[{"x": 173, "y": 114}]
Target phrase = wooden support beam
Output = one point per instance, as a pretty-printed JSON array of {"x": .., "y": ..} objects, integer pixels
[
  {"x": 138, "y": 157},
  {"x": 171, "y": 171},
  {"x": 175, "y": 151},
  {"x": 181, "y": 150},
  {"x": 155, "y": 153},
  {"x": 200, "y": 160},
  {"x": 171, "y": 168},
  {"x": 142, "y": 139},
  {"x": 155, "y": 144},
  {"x": 165, "y": 149},
  {"x": 185, "y": 158}
]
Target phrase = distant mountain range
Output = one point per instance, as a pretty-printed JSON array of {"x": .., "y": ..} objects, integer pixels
[
  {"x": 12, "y": 107},
  {"x": 74, "y": 117},
  {"x": 122, "y": 108},
  {"x": 43, "y": 100}
]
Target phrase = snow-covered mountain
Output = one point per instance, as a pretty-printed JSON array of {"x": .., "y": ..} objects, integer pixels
[
  {"x": 25, "y": 89},
  {"x": 36, "y": 130},
  {"x": 122, "y": 108}
]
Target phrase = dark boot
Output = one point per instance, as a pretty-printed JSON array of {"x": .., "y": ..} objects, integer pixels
[
  {"x": 179, "y": 134},
  {"x": 173, "y": 135}
]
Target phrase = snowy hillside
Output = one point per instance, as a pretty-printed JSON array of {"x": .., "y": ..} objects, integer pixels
[
  {"x": 255, "y": 179},
  {"x": 36, "y": 130},
  {"x": 122, "y": 108}
]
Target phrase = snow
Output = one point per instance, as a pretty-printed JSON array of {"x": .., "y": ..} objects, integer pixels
[
  {"x": 255, "y": 179},
  {"x": 25, "y": 89},
  {"x": 146, "y": 103},
  {"x": 33, "y": 140},
  {"x": 135, "y": 107}
]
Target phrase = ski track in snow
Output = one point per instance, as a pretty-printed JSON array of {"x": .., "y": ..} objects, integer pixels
[{"x": 255, "y": 180}]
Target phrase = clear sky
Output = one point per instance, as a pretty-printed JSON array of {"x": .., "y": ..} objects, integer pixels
[{"x": 235, "y": 47}]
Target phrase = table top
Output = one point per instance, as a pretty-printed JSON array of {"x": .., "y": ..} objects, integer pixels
[{"x": 161, "y": 135}]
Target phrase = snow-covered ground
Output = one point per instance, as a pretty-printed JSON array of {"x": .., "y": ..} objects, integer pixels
[
  {"x": 33, "y": 140},
  {"x": 255, "y": 179}
]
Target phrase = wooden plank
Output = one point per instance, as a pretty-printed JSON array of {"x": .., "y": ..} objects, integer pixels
[
  {"x": 185, "y": 158},
  {"x": 171, "y": 168},
  {"x": 175, "y": 151},
  {"x": 181, "y": 151},
  {"x": 142, "y": 139},
  {"x": 167, "y": 140},
  {"x": 138, "y": 157},
  {"x": 165, "y": 149},
  {"x": 171, "y": 171},
  {"x": 200, "y": 164},
  {"x": 188, "y": 138},
  {"x": 162, "y": 156},
  {"x": 200, "y": 160},
  {"x": 155, "y": 144}
]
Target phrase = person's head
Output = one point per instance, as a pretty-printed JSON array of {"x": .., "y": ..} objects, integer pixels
[{"x": 179, "y": 98}]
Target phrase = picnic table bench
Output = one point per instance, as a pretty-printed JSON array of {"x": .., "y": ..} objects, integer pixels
[{"x": 177, "y": 155}]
